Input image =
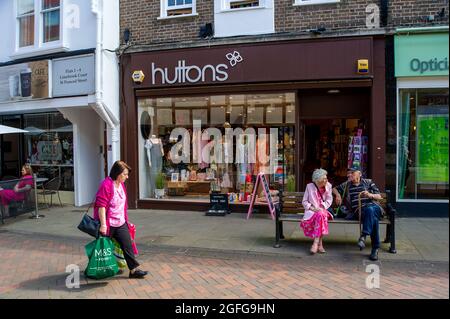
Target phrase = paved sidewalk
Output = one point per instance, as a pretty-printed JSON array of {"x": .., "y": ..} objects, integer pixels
[
  {"x": 190, "y": 255},
  {"x": 418, "y": 239},
  {"x": 34, "y": 266}
]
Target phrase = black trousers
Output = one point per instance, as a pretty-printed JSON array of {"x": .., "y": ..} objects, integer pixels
[{"x": 122, "y": 235}]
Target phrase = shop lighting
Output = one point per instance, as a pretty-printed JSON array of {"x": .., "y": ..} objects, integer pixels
[{"x": 333, "y": 91}]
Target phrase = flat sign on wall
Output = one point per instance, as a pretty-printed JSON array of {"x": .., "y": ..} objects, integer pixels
[
  {"x": 74, "y": 76},
  {"x": 24, "y": 81},
  {"x": 421, "y": 54}
]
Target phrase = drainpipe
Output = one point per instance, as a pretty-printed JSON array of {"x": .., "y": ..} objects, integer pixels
[{"x": 98, "y": 105}]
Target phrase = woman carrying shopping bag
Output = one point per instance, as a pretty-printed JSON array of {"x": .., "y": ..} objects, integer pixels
[{"x": 110, "y": 209}]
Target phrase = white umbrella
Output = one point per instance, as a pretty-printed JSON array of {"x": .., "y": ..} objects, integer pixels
[
  {"x": 10, "y": 130},
  {"x": 33, "y": 130}
]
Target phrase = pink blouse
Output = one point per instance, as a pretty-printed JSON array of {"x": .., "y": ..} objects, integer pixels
[{"x": 117, "y": 208}]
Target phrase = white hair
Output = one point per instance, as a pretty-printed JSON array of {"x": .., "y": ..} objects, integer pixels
[{"x": 318, "y": 174}]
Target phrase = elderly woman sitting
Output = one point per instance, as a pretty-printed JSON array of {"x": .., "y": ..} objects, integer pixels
[{"x": 317, "y": 199}]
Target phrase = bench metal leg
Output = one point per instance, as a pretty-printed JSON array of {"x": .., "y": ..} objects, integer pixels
[
  {"x": 277, "y": 234},
  {"x": 387, "y": 239},
  {"x": 392, "y": 248}
]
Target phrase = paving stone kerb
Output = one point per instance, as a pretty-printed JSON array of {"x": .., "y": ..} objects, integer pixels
[{"x": 418, "y": 239}]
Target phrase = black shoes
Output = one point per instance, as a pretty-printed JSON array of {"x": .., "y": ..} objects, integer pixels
[
  {"x": 374, "y": 254},
  {"x": 138, "y": 274},
  {"x": 361, "y": 242}
]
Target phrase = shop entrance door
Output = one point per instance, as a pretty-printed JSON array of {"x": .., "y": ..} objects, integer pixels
[
  {"x": 325, "y": 145},
  {"x": 11, "y": 153}
]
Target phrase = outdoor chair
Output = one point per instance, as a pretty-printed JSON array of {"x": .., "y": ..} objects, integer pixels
[{"x": 52, "y": 188}]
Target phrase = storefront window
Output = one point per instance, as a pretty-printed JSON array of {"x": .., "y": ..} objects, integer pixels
[
  {"x": 190, "y": 146},
  {"x": 423, "y": 144},
  {"x": 49, "y": 147}
]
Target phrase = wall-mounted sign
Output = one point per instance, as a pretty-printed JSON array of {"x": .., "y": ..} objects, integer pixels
[
  {"x": 421, "y": 54},
  {"x": 74, "y": 76},
  {"x": 363, "y": 66},
  {"x": 24, "y": 81},
  {"x": 138, "y": 77},
  {"x": 253, "y": 63}
]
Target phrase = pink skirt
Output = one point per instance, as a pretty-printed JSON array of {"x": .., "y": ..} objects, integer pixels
[
  {"x": 317, "y": 225},
  {"x": 8, "y": 195}
]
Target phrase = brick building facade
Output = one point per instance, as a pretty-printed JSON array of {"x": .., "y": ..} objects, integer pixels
[
  {"x": 332, "y": 33},
  {"x": 141, "y": 17}
]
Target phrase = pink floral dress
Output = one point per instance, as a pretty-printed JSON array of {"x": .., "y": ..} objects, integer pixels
[{"x": 316, "y": 226}]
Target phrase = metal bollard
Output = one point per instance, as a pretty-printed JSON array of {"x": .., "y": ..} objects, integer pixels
[{"x": 36, "y": 215}]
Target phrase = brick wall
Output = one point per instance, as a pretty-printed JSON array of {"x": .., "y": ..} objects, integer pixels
[
  {"x": 351, "y": 14},
  {"x": 140, "y": 16}
]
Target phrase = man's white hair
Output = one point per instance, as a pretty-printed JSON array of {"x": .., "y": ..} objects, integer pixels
[{"x": 318, "y": 174}]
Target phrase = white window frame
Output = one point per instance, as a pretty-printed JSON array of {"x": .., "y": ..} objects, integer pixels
[
  {"x": 41, "y": 22},
  {"x": 165, "y": 7},
  {"x": 17, "y": 17},
  {"x": 226, "y": 5},
  {"x": 313, "y": 2},
  {"x": 39, "y": 46}
]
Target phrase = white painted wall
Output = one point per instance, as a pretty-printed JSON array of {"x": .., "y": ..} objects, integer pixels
[
  {"x": 75, "y": 36},
  {"x": 246, "y": 21},
  {"x": 88, "y": 160},
  {"x": 111, "y": 72}
]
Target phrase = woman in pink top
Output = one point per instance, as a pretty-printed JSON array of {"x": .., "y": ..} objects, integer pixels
[
  {"x": 21, "y": 189},
  {"x": 111, "y": 209},
  {"x": 317, "y": 199}
]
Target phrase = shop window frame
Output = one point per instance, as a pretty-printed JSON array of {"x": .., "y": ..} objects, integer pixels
[
  {"x": 413, "y": 84},
  {"x": 292, "y": 126}
]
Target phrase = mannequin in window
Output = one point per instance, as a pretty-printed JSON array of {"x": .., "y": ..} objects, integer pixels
[
  {"x": 226, "y": 167},
  {"x": 155, "y": 153}
]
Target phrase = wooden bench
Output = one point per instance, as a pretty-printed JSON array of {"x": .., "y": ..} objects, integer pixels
[{"x": 290, "y": 209}]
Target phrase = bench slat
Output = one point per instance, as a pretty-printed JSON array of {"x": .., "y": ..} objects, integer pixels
[{"x": 299, "y": 217}]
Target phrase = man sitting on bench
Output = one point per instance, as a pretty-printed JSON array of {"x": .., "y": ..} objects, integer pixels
[{"x": 371, "y": 212}]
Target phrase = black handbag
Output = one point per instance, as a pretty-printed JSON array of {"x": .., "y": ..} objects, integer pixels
[{"x": 89, "y": 225}]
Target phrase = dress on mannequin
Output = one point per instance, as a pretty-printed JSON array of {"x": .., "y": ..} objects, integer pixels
[{"x": 155, "y": 152}]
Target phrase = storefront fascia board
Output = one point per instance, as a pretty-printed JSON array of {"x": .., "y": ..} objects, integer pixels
[
  {"x": 46, "y": 104},
  {"x": 421, "y": 30},
  {"x": 309, "y": 60},
  {"x": 421, "y": 54}
]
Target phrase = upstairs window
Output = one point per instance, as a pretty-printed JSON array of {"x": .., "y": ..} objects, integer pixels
[
  {"x": 51, "y": 20},
  {"x": 174, "y": 8},
  {"x": 25, "y": 21},
  {"x": 239, "y": 4},
  {"x": 308, "y": 2}
]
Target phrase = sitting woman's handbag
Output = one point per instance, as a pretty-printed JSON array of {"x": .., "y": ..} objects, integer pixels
[{"x": 89, "y": 225}]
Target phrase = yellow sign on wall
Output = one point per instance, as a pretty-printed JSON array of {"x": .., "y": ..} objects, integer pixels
[{"x": 363, "y": 66}]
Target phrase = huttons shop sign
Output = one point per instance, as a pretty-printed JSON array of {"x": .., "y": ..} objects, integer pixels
[{"x": 256, "y": 63}]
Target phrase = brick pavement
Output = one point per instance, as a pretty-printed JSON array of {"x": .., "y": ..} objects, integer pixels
[{"x": 33, "y": 266}]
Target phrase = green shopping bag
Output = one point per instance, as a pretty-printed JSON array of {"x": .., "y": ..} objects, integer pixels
[
  {"x": 102, "y": 263},
  {"x": 118, "y": 253}
]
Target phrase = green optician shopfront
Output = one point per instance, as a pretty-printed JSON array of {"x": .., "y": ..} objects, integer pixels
[{"x": 421, "y": 71}]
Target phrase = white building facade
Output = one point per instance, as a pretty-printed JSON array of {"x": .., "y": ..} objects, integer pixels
[{"x": 59, "y": 80}]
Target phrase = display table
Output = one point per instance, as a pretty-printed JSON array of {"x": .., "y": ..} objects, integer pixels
[{"x": 198, "y": 187}]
